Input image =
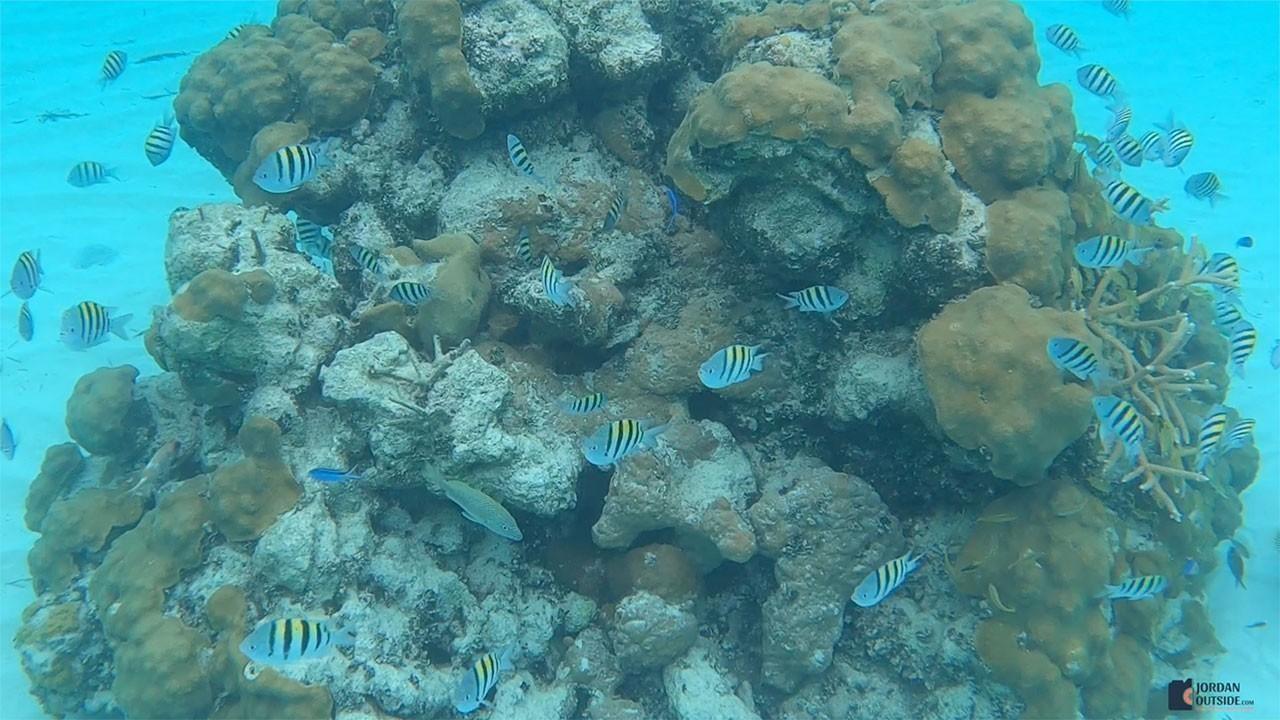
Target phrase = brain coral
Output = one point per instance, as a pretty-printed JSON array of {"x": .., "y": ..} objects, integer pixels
[{"x": 992, "y": 385}]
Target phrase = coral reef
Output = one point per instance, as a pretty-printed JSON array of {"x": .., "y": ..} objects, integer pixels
[{"x": 689, "y": 161}]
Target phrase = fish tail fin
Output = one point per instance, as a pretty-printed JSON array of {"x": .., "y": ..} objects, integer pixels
[
  {"x": 118, "y": 326},
  {"x": 343, "y": 637},
  {"x": 651, "y": 434},
  {"x": 323, "y": 150},
  {"x": 1108, "y": 591},
  {"x": 1101, "y": 378},
  {"x": 1168, "y": 125},
  {"x": 757, "y": 362},
  {"x": 791, "y": 301},
  {"x": 504, "y": 658},
  {"x": 1159, "y": 206},
  {"x": 1138, "y": 255}
]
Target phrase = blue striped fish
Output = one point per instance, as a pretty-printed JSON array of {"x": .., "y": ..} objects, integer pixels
[
  {"x": 1121, "y": 116},
  {"x": 368, "y": 259},
  {"x": 1152, "y": 145},
  {"x": 612, "y": 442},
  {"x": 1098, "y": 80},
  {"x": 89, "y": 172},
  {"x": 877, "y": 585},
  {"x": 584, "y": 405},
  {"x": 410, "y": 293},
  {"x": 557, "y": 288},
  {"x": 1064, "y": 38},
  {"x": 1108, "y": 251},
  {"x": 27, "y": 274},
  {"x": 1139, "y": 588},
  {"x": 291, "y": 166},
  {"x": 113, "y": 66},
  {"x": 1240, "y": 434},
  {"x": 1211, "y": 430},
  {"x": 524, "y": 245},
  {"x": 824, "y": 299},
  {"x": 731, "y": 365},
  {"x": 332, "y": 475},
  {"x": 1131, "y": 204},
  {"x": 277, "y": 642},
  {"x": 1176, "y": 143},
  {"x": 520, "y": 158},
  {"x": 1205, "y": 186},
  {"x": 673, "y": 207},
  {"x": 26, "y": 325},
  {"x": 617, "y": 206},
  {"x": 1128, "y": 150},
  {"x": 1119, "y": 8},
  {"x": 1077, "y": 358},
  {"x": 1244, "y": 338},
  {"x": 1226, "y": 314},
  {"x": 1118, "y": 420},
  {"x": 480, "y": 680},
  {"x": 87, "y": 323},
  {"x": 8, "y": 442},
  {"x": 159, "y": 143}
]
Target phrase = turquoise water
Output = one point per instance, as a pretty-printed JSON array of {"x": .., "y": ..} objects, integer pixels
[{"x": 1215, "y": 65}]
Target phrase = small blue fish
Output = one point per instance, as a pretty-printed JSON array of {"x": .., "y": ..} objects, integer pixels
[
  {"x": 877, "y": 585},
  {"x": 478, "y": 681},
  {"x": 1205, "y": 186},
  {"x": 1064, "y": 38},
  {"x": 520, "y": 158},
  {"x": 554, "y": 284},
  {"x": 731, "y": 365},
  {"x": 1077, "y": 358},
  {"x": 612, "y": 442},
  {"x": 1098, "y": 80},
  {"x": 1108, "y": 251},
  {"x": 673, "y": 207},
  {"x": 1118, "y": 420},
  {"x": 1245, "y": 242},
  {"x": 332, "y": 475},
  {"x": 1190, "y": 568},
  {"x": 26, "y": 325},
  {"x": 584, "y": 405},
  {"x": 1138, "y": 588},
  {"x": 1252, "y": 626},
  {"x": 8, "y": 443},
  {"x": 824, "y": 299},
  {"x": 89, "y": 172},
  {"x": 27, "y": 274}
]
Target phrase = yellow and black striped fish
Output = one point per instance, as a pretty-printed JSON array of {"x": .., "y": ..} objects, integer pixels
[
  {"x": 25, "y": 279},
  {"x": 614, "y": 441},
  {"x": 1064, "y": 38},
  {"x": 284, "y": 640},
  {"x": 1240, "y": 434},
  {"x": 410, "y": 292},
  {"x": 159, "y": 143},
  {"x": 366, "y": 258},
  {"x": 1211, "y": 430},
  {"x": 877, "y": 585},
  {"x": 290, "y": 167},
  {"x": 234, "y": 32},
  {"x": 1128, "y": 150},
  {"x": 1176, "y": 143},
  {"x": 1204, "y": 186},
  {"x": 520, "y": 158},
  {"x": 731, "y": 365},
  {"x": 87, "y": 323},
  {"x": 584, "y": 405},
  {"x": 617, "y": 205},
  {"x": 1131, "y": 204},
  {"x": 1121, "y": 116},
  {"x": 89, "y": 172},
  {"x": 26, "y": 325},
  {"x": 524, "y": 245},
  {"x": 478, "y": 681},
  {"x": 113, "y": 66},
  {"x": 1139, "y": 588},
  {"x": 1118, "y": 420},
  {"x": 1098, "y": 80},
  {"x": 1151, "y": 145},
  {"x": 554, "y": 284},
  {"x": 1244, "y": 338},
  {"x": 823, "y": 299}
]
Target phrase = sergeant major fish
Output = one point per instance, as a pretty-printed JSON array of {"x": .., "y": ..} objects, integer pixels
[
  {"x": 87, "y": 323},
  {"x": 159, "y": 143},
  {"x": 610, "y": 443},
  {"x": 731, "y": 365},
  {"x": 1064, "y": 38},
  {"x": 113, "y": 66},
  {"x": 1211, "y": 430},
  {"x": 557, "y": 288},
  {"x": 277, "y": 642},
  {"x": 1121, "y": 116},
  {"x": 1131, "y": 204},
  {"x": 1118, "y": 420},
  {"x": 410, "y": 293},
  {"x": 1235, "y": 563},
  {"x": 1138, "y": 588},
  {"x": 481, "y": 679},
  {"x": 1205, "y": 186},
  {"x": 1176, "y": 143},
  {"x": 1151, "y": 143},
  {"x": 366, "y": 258},
  {"x": 291, "y": 166},
  {"x": 26, "y": 325},
  {"x": 584, "y": 405},
  {"x": 1243, "y": 340},
  {"x": 1240, "y": 434},
  {"x": 1226, "y": 314},
  {"x": 1119, "y": 8},
  {"x": 1108, "y": 251},
  {"x": 617, "y": 206},
  {"x": 27, "y": 274},
  {"x": 89, "y": 172},
  {"x": 1077, "y": 358},
  {"x": 824, "y": 299},
  {"x": 520, "y": 158},
  {"x": 482, "y": 510},
  {"x": 877, "y": 585},
  {"x": 524, "y": 245},
  {"x": 1098, "y": 80},
  {"x": 1128, "y": 150}
]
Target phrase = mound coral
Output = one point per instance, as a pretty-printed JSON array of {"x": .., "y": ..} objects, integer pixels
[
  {"x": 431, "y": 39},
  {"x": 103, "y": 414}
]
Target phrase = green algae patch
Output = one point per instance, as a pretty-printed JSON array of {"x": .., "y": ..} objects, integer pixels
[
  {"x": 993, "y": 386},
  {"x": 246, "y": 497},
  {"x": 104, "y": 416},
  {"x": 62, "y": 463}
]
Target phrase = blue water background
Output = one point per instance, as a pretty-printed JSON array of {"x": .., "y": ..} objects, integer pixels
[{"x": 1214, "y": 64}]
